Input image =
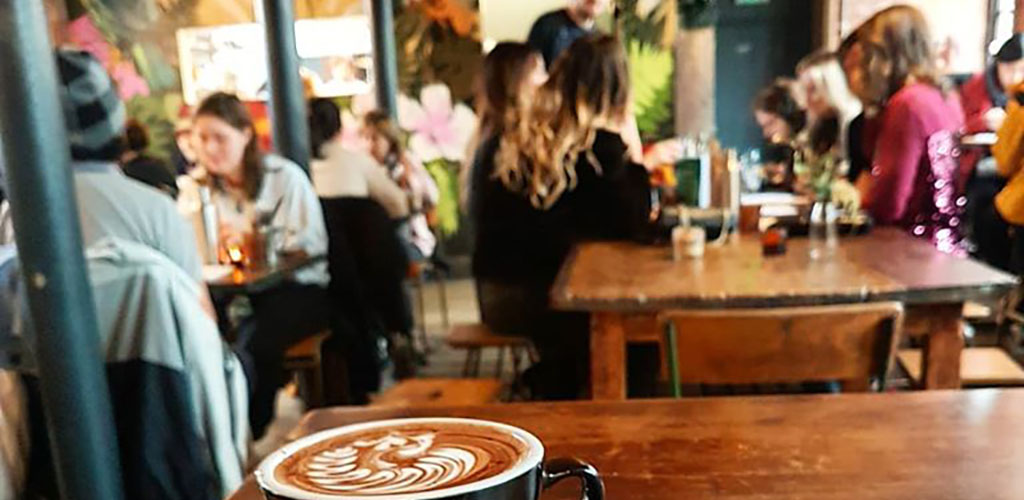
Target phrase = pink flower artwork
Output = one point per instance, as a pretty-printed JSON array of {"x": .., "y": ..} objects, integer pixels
[
  {"x": 437, "y": 128},
  {"x": 83, "y": 34}
]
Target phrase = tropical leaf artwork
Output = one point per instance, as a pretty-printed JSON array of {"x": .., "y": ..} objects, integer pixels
[
  {"x": 651, "y": 73},
  {"x": 151, "y": 111},
  {"x": 437, "y": 42},
  {"x": 445, "y": 174},
  {"x": 649, "y": 28}
]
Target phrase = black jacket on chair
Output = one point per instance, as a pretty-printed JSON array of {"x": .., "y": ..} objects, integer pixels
[{"x": 368, "y": 266}]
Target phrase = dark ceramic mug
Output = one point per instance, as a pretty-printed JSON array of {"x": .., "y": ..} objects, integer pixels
[{"x": 523, "y": 479}]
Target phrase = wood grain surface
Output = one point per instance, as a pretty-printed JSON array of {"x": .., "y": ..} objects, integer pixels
[
  {"x": 886, "y": 264},
  {"x": 914, "y": 445}
]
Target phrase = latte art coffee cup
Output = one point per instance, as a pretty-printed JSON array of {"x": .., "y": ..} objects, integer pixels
[{"x": 418, "y": 459}]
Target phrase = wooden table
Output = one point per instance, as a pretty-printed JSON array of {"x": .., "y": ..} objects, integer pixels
[
  {"x": 254, "y": 280},
  {"x": 912, "y": 445},
  {"x": 625, "y": 285}
]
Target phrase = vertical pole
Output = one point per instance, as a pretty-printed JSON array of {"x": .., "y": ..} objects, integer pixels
[
  {"x": 384, "y": 55},
  {"x": 72, "y": 381},
  {"x": 1018, "y": 16},
  {"x": 287, "y": 102}
]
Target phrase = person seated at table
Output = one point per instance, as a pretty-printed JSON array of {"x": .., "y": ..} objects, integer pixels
[
  {"x": 386, "y": 146},
  {"x": 781, "y": 120},
  {"x": 111, "y": 205},
  {"x": 561, "y": 177},
  {"x": 890, "y": 66},
  {"x": 511, "y": 74},
  {"x": 143, "y": 167},
  {"x": 1008, "y": 204},
  {"x": 341, "y": 172},
  {"x": 984, "y": 99},
  {"x": 827, "y": 96},
  {"x": 250, "y": 188}
]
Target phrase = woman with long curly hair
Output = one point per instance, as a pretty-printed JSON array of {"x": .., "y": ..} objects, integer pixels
[{"x": 561, "y": 175}]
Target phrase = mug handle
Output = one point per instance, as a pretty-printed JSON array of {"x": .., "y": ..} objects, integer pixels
[{"x": 557, "y": 469}]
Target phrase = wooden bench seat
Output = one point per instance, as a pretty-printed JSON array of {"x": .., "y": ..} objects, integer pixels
[
  {"x": 979, "y": 366},
  {"x": 420, "y": 392}
]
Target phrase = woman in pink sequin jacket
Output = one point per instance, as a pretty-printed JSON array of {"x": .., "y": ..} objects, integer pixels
[{"x": 889, "y": 64}]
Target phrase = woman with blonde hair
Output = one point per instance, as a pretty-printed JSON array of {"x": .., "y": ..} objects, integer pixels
[
  {"x": 890, "y": 67},
  {"x": 826, "y": 96},
  {"x": 560, "y": 176}
]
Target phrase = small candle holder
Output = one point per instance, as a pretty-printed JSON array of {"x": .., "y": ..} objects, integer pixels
[
  {"x": 773, "y": 241},
  {"x": 235, "y": 256}
]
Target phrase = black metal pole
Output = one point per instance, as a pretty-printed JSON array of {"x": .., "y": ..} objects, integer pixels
[
  {"x": 37, "y": 157},
  {"x": 384, "y": 55},
  {"x": 287, "y": 102}
]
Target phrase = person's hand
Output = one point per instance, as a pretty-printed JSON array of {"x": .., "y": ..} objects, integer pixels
[
  {"x": 666, "y": 152},
  {"x": 994, "y": 118}
]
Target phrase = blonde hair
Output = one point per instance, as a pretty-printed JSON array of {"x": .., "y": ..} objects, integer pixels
[
  {"x": 827, "y": 74},
  {"x": 588, "y": 88}
]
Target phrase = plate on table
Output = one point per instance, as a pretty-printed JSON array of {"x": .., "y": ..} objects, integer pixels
[{"x": 215, "y": 272}]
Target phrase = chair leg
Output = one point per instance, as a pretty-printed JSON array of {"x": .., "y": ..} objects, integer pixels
[
  {"x": 517, "y": 359},
  {"x": 476, "y": 362},
  {"x": 501, "y": 363},
  {"x": 442, "y": 283},
  {"x": 421, "y": 309},
  {"x": 467, "y": 363}
]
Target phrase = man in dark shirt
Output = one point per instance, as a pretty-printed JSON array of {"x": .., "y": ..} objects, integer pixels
[{"x": 555, "y": 31}]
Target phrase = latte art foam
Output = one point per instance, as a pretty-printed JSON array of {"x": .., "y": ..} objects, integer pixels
[{"x": 401, "y": 460}]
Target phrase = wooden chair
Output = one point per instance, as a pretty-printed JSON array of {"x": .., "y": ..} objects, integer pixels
[
  {"x": 474, "y": 337},
  {"x": 979, "y": 367},
  {"x": 440, "y": 392},
  {"x": 305, "y": 361},
  {"x": 852, "y": 344}
]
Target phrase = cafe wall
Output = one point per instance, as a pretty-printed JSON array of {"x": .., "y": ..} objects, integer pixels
[{"x": 438, "y": 41}]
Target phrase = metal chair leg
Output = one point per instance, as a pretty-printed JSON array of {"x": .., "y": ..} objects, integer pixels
[
  {"x": 517, "y": 359},
  {"x": 421, "y": 307},
  {"x": 476, "y": 361},
  {"x": 501, "y": 363},
  {"x": 442, "y": 283},
  {"x": 467, "y": 364}
]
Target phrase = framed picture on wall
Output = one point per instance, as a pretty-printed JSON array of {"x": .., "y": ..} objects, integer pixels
[{"x": 336, "y": 57}]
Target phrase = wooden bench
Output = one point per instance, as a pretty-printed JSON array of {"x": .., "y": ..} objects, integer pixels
[
  {"x": 474, "y": 337},
  {"x": 979, "y": 366},
  {"x": 304, "y": 360},
  {"x": 420, "y": 392}
]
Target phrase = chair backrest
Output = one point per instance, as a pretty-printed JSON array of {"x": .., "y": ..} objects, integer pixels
[
  {"x": 360, "y": 232},
  {"x": 850, "y": 343}
]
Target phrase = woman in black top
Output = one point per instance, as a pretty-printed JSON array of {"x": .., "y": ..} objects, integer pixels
[{"x": 561, "y": 176}]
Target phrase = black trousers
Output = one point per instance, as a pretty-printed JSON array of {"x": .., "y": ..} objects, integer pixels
[{"x": 281, "y": 317}]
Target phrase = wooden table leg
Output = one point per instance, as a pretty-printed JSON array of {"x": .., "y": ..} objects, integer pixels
[
  {"x": 943, "y": 344},
  {"x": 607, "y": 356}
]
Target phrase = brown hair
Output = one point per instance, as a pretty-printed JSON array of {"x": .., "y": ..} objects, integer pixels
[
  {"x": 380, "y": 124},
  {"x": 588, "y": 88},
  {"x": 778, "y": 99},
  {"x": 895, "y": 45},
  {"x": 229, "y": 109},
  {"x": 498, "y": 89}
]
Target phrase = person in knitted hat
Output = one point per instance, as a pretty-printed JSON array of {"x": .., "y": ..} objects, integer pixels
[{"x": 109, "y": 203}]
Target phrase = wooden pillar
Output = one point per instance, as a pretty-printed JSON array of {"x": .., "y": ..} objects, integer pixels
[
  {"x": 695, "y": 81},
  {"x": 1018, "y": 16}
]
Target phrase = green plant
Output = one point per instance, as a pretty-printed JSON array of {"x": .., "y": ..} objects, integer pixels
[
  {"x": 651, "y": 74},
  {"x": 445, "y": 174}
]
